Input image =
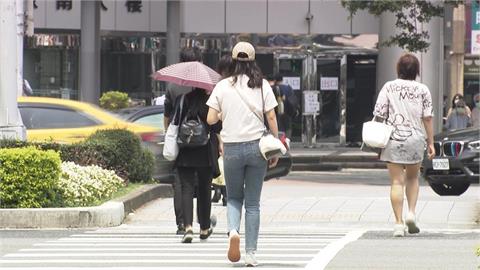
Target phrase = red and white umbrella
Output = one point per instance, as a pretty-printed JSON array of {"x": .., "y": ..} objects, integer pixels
[{"x": 194, "y": 74}]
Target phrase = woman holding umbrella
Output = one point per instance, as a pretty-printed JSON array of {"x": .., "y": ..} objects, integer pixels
[{"x": 193, "y": 162}]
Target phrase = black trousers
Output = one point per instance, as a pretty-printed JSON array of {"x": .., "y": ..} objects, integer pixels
[
  {"x": 204, "y": 204},
  {"x": 177, "y": 199}
]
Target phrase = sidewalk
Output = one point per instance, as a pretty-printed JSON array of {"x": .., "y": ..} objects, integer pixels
[{"x": 329, "y": 156}]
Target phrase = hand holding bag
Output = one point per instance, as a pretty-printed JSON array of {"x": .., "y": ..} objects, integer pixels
[
  {"x": 376, "y": 134},
  {"x": 170, "y": 146}
]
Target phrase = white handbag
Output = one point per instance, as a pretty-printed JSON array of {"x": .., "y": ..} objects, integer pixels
[
  {"x": 376, "y": 134},
  {"x": 170, "y": 146}
]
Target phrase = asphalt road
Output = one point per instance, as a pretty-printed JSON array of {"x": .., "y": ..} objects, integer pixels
[{"x": 147, "y": 239}]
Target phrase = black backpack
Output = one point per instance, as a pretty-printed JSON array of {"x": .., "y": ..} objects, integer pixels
[{"x": 192, "y": 131}]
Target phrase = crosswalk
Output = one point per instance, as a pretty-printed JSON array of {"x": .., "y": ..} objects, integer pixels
[{"x": 140, "y": 249}]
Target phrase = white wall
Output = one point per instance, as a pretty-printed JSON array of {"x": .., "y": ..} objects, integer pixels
[{"x": 217, "y": 16}]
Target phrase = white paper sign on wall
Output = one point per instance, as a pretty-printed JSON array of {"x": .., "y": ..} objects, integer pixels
[
  {"x": 329, "y": 83},
  {"x": 294, "y": 82},
  {"x": 311, "y": 104}
]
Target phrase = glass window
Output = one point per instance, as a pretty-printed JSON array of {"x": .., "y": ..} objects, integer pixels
[
  {"x": 154, "y": 120},
  {"x": 51, "y": 118}
]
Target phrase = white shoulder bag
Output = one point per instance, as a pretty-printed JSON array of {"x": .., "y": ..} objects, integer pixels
[
  {"x": 170, "y": 146},
  {"x": 377, "y": 134}
]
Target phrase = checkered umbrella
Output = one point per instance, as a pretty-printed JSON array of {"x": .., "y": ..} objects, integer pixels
[{"x": 194, "y": 74}]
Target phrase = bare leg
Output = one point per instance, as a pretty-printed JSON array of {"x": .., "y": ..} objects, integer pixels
[
  {"x": 411, "y": 190},
  {"x": 396, "y": 191}
]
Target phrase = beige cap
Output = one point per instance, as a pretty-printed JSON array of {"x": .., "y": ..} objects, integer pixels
[{"x": 246, "y": 48}]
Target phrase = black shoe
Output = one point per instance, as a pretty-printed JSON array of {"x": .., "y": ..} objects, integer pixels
[
  {"x": 217, "y": 195},
  {"x": 205, "y": 236},
  {"x": 187, "y": 237},
  {"x": 180, "y": 229}
]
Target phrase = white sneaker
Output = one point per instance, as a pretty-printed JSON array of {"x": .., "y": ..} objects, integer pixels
[
  {"x": 411, "y": 223},
  {"x": 398, "y": 230},
  {"x": 233, "y": 246},
  {"x": 250, "y": 260}
]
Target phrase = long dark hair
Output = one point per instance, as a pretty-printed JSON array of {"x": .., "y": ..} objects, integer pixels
[
  {"x": 459, "y": 96},
  {"x": 249, "y": 68}
]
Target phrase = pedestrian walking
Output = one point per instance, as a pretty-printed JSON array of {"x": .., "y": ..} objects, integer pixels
[
  {"x": 235, "y": 101},
  {"x": 458, "y": 116},
  {"x": 407, "y": 106},
  {"x": 197, "y": 160},
  {"x": 172, "y": 93}
]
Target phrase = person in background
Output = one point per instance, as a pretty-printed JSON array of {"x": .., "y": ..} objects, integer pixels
[
  {"x": 407, "y": 106},
  {"x": 171, "y": 95},
  {"x": 224, "y": 68},
  {"x": 458, "y": 116},
  {"x": 457, "y": 98},
  {"x": 280, "y": 109},
  {"x": 291, "y": 105},
  {"x": 244, "y": 165},
  {"x": 476, "y": 111}
]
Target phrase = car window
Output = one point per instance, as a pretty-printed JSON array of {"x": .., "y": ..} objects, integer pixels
[
  {"x": 46, "y": 118},
  {"x": 154, "y": 120}
]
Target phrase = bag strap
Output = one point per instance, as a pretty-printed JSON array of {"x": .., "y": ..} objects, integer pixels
[
  {"x": 177, "y": 111},
  {"x": 252, "y": 109}
]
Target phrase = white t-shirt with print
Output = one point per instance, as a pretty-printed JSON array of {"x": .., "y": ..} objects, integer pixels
[{"x": 239, "y": 124}]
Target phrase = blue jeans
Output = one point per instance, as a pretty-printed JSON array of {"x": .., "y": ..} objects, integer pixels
[{"x": 244, "y": 169}]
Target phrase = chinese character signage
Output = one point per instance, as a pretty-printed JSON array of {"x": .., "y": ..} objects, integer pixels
[
  {"x": 475, "y": 38},
  {"x": 329, "y": 83},
  {"x": 294, "y": 82}
]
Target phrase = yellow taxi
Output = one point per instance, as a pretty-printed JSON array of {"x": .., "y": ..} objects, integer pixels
[{"x": 68, "y": 121}]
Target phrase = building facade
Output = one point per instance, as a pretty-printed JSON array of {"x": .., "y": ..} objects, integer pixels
[{"x": 313, "y": 44}]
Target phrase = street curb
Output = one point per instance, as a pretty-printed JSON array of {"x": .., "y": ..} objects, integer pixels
[
  {"x": 109, "y": 214},
  {"x": 145, "y": 194}
]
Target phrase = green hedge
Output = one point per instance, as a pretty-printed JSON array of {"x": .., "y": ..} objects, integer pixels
[
  {"x": 122, "y": 151},
  {"x": 29, "y": 178},
  {"x": 117, "y": 149},
  {"x": 114, "y": 100}
]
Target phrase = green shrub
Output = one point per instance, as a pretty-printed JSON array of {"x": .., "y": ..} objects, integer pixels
[
  {"x": 122, "y": 152},
  {"x": 114, "y": 100},
  {"x": 86, "y": 185},
  {"x": 29, "y": 178},
  {"x": 116, "y": 149}
]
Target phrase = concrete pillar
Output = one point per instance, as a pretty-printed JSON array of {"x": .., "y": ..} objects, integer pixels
[
  {"x": 90, "y": 52},
  {"x": 20, "y": 29},
  {"x": 10, "y": 120},
  {"x": 431, "y": 62},
  {"x": 431, "y": 68},
  {"x": 457, "y": 53},
  {"x": 173, "y": 31},
  {"x": 387, "y": 56}
]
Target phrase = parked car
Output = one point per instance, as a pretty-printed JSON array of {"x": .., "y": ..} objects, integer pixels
[
  {"x": 456, "y": 164},
  {"x": 68, "y": 121},
  {"x": 153, "y": 115}
]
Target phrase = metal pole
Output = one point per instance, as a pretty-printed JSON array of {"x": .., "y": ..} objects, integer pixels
[
  {"x": 10, "y": 120},
  {"x": 173, "y": 31},
  {"x": 90, "y": 52}
]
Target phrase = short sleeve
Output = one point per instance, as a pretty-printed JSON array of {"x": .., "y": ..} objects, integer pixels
[
  {"x": 270, "y": 100},
  {"x": 215, "y": 98},
  {"x": 381, "y": 106},
  {"x": 427, "y": 106}
]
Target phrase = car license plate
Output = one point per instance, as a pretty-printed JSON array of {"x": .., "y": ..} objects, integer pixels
[{"x": 440, "y": 164}]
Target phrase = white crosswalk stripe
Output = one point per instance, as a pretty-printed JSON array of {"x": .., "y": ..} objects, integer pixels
[{"x": 132, "y": 249}]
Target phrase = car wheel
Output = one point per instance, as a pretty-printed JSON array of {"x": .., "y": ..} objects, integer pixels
[{"x": 449, "y": 189}]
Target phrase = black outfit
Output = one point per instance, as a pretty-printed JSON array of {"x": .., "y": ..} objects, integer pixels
[
  {"x": 202, "y": 161},
  {"x": 171, "y": 95}
]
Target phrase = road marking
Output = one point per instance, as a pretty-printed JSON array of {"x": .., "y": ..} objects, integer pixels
[
  {"x": 328, "y": 253},
  {"x": 157, "y": 254},
  {"x": 66, "y": 249},
  {"x": 145, "y": 261}
]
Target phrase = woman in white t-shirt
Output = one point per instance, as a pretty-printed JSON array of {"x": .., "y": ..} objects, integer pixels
[
  {"x": 240, "y": 102},
  {"x": 407, "y": 106}
]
